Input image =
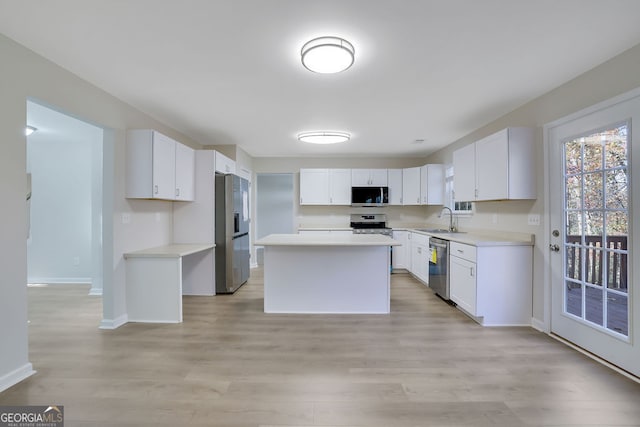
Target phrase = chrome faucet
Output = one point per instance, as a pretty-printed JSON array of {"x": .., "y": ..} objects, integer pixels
[{"x": 451, "y": 227}]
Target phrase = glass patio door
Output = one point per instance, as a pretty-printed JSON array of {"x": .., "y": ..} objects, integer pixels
[{"x": 592, "y": 298}]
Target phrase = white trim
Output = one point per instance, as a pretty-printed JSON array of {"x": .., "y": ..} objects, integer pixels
[
  {"x": 114, "y": 323},
  {"x": 60, "y": 280},
  {"x": 539, "y": 325},
  {"x": 15, "y": 376},
  {"x": 95, "y": 292}
]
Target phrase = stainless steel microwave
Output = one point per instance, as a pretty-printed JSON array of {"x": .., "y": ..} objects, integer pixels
[{"x": 369, "y": 196}]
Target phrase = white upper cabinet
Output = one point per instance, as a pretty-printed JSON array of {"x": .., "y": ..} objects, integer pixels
[
  {"x": 369, "y": 177},
  {"x": 432, "y": 184},
  {"x": 314, "y": 186},
  {"x": 502, "y": 164},
  {"x": 325, "y": 186},
  {"x": 339, "y": 186},
  {"x": 223, "y": 164},
  {"x": 185, "y": 173},
  {"x": 411, "y": 186},
  {"x": 464, "y": 173},
  {"x": 153, "y": 167},
  {"x": 394, "y": 177}
]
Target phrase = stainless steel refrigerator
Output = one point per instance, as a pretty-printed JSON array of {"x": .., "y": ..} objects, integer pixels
[{"x": 232, "y": 232}]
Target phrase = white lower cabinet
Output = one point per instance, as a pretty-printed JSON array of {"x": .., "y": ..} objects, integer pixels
[
  {"x": 420, "y": 257},
  {"x": 462, "y": 276},
  {"x": 492, "y": 284},
  {"x": 399, "y": 259}
]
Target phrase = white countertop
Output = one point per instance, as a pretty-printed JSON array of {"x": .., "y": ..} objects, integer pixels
[
  {"x": 169, "y": 251},
  {"x": 482, "y": 238},
  {"x": 471, "y": 237},
  {"x": 326, "y": 240}
]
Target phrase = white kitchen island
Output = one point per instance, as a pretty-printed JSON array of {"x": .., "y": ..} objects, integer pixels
[{"x": 327, "y": 273}]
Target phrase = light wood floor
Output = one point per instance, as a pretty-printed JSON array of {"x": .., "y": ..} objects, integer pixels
[{"x": 229, "y": 364}]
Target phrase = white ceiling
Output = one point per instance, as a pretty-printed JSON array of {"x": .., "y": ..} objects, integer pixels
[{"x": 229, "y": 71}]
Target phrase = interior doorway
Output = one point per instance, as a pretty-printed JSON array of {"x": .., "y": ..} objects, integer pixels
[
  {"x": 65, "y": 167},
  {"x": 274, "y": 206}
]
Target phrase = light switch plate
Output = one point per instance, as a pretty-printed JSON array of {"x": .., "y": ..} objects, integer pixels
[
  {"x": 126, "y": 218},
  {"x": 533, "y": 219}
]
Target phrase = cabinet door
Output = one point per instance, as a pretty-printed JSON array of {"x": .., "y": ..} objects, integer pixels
[
  {"x": 314, "y": 186},
  {"x": 462, "y": 279},
  {"x": 395, "y": 186},
  {"x": 185, "y": 172},
  {"x": 432, "y": 184},
  {"x": 223, "y": 164},
  {"x": 464, "y": 173},
  {"x": 340, "y": 186},
  {"x": 399, "y": 254},
  {"x": 378, "y": 177},
  {"x": 411, "y": 186},
  {"x": 360, "y": 177},
  {"x": 164, "y": 167},
  {"x": 420, "y": 261},
  {"x": 492, "y": 167}
]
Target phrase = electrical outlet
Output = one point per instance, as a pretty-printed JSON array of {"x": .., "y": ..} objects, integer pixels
[
  {"x": 126, "y": 218},
  {"x": 76, "y": 261},
  {"x": 494, "y": 218},
  {"x": 533, "y": 219}
]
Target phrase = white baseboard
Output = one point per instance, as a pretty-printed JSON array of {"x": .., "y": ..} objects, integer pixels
[
  {"x": 60, "y": 280},
  {"x": 114, "y": 323},
  {"x": 15, "y": 376},
  {"x": 539, "y": 325},
  {"x": 95, "y": 292}
]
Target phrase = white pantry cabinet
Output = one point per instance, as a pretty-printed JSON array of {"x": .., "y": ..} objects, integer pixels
[
  {"x": 369, "y": 178},
  {"x": 153, "y": 167},
  {"x": 223, "y": 164},
  {"x": 420, "y": 257},
  {"x": 411, "y": 186},
  {"x": 432, "y": 184},
  {"x": 498, "y": 167},
  {"x": 400, "y": 254},
  {"x": 325, "y": 186},
  {"x": 395, "y": 186},
  {"x": 492, "y": 284}
]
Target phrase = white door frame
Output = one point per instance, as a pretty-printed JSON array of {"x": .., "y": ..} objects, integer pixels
[{"x": 545, "y": 325}]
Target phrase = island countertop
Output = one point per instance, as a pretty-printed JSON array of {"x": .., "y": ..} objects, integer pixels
[{"x": 326, "y": 240}]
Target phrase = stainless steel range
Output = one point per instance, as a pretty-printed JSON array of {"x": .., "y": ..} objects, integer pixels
[{"x": 370, "y": 224}]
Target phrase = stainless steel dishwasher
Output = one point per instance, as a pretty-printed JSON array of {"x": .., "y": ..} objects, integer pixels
[{"x": 439, "y": 267}]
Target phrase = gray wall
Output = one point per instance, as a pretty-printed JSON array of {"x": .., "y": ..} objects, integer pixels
[{"x": 25, "y": 75}]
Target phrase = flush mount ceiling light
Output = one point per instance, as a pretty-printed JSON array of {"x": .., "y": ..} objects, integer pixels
[
  {"x": 327, "y": 55},
  {"x": 324, "y": 137},
  {"x": 29, "y": 130}
]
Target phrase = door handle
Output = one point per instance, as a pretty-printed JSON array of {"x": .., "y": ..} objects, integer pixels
[{"x": 554, "y": 248}]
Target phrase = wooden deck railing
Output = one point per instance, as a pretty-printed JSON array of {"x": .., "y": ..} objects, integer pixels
[{"x": 616, "y": 273}]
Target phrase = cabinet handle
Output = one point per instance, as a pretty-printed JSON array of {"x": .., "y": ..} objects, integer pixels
[
  {"x": 177, "y": 192},
  {"x": 300, "y": 200},
  {"x": 155, "y": 189},
  {"x": 419, "y": 250},
  {"x": 476, "y": 193},
  {"x": 331, "y": 200},
  {"x": 460, "y": 251},
  {"x": 471, "y": 271},
  {"x": 418, "y": 200}
]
